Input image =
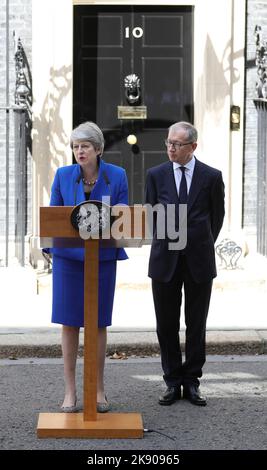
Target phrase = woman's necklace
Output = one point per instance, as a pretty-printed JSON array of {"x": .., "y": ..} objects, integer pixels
[{"x": 89, "y": 183}]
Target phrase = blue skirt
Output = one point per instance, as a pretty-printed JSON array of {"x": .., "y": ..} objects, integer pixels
[{"x": 68, "y": 292}]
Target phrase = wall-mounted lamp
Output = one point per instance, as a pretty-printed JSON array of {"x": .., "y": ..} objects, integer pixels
[{"x": 235, "y": 118}]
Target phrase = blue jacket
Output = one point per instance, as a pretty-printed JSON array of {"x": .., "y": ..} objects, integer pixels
[{"x": 67, "y": 190}]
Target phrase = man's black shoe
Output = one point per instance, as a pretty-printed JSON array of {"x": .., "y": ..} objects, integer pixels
[
  {"x": 191, "y": 393},
  {"x": 170, "y": 396}
]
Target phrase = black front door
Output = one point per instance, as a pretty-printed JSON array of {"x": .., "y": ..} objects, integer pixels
[{"x": 153, "y": 43}]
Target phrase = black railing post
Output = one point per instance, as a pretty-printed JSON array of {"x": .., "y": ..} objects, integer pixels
[{"x": 21, "y": 112}]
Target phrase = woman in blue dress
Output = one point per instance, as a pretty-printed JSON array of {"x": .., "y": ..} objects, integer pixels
[{"x": 89, "y": 178}]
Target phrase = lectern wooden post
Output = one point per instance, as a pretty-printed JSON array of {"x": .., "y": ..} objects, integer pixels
[{"x": 56, "y": 230}]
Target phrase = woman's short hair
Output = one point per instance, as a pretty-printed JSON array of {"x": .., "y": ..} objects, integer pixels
[{"x": 91, "y": 132}]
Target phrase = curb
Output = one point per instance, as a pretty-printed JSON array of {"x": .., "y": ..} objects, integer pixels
[
  {"x": 46, "y": 342},
  {"x": 122, "y": 350}
]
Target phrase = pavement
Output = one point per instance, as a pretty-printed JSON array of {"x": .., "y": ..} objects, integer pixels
[
  {"x": 237, "y": 320},
  {"x": 235, "y": 418}
]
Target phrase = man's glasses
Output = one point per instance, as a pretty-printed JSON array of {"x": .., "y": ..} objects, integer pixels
[{"x": 176, "y": 145}]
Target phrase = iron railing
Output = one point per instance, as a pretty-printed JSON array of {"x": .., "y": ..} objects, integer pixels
[{"x": 21, "y": 110}]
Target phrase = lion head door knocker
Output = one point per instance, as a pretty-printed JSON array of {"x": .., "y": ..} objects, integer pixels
[{"x": 132, "y": 89}]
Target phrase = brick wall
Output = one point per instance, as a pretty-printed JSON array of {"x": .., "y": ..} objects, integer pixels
[
  {"x": 256, "y": 15},
  {"x": 20, "y": 25}
]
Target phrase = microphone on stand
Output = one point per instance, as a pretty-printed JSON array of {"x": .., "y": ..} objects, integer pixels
[
  {"x": 108, "y": 198},
  {"x": 77, "y": 182},
  {"x": 106, "y": 178}
]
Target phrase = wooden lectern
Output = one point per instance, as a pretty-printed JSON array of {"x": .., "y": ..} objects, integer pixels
[{"x": 56, "y": 231}]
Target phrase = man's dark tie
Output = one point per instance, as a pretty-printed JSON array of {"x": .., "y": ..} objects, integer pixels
[{"x": 183, "y": 187}]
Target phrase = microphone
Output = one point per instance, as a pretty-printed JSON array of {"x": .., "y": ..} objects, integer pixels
[
  {"x": 106, "y": 178},
  {"x": 78, "y": 179},
  {"x": 76, "y": 186},
  {"x": 107, "y": 199}
]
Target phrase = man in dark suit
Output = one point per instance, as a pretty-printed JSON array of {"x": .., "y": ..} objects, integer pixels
[{"x": 184, "y": 180}]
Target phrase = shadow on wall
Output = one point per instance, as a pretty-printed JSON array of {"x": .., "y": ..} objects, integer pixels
[
  {"x": 214, "y": 86},
  {"x": 50, "y": 140}
]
